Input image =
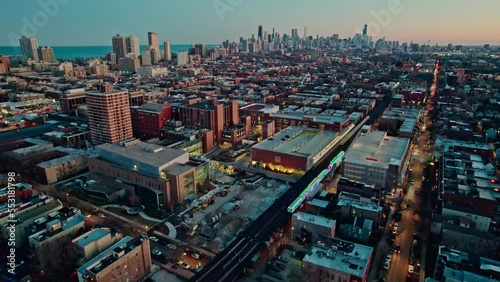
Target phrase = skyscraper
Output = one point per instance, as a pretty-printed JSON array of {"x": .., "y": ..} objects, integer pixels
[
  {"x": 109, "y": 115},
  {"x": 146, "y": 58},
  {"x": 29, "y": 47},
  {"x": 133, "y": 45},
  {"x": 365, "y": 30},
  {"x": 167, "y": 50},
  {"x": 46, "y": 54},
  {"x": 153, "y": 40},
  {"x": 260, "y": 33},
  {"x": 119, "y": 46},
  {"x": 305, "y": 32},
  {"x": 182, "y": 58}
]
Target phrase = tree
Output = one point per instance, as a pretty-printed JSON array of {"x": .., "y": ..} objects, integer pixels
[{"x": 134, "y": 199}]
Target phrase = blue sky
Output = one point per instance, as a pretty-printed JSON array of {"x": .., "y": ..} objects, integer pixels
[{"x": 94, "y": 22}]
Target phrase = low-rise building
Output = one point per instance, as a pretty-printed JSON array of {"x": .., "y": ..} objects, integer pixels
[
  {"x": 456, "y": 266},
  {"x": 356, "y": 228},
  {"x": 59, "y": 228},
  {"x": 294, "y": 149},
  {"x": 339, "y": 260},
  {"x": 459, "y": 235},
  {"x": 128, "y": 260},
  {"x": 312, "y": 225},
  {"x": 90, "y": 244},
  {"x": 27, "y": 211},
  {"x": 352, "y": 208}
]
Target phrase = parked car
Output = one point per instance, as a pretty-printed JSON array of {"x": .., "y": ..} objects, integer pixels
[
  {"x": 183, "y": 265},
  {"x": 274, "y": 268},
  {"x": 386, "y": 265},
  {"x": 156, "y": 252},
  {"x": 388, "y": 258},
  {"x": 172, "y": 246},
  {"x": 153, "y": 238},
  {"x": 282, "y": 258},
  {"x": 195, "y": 255},
  {"x": 280, "y": 265},
  {"x": 410, "y": 269}
]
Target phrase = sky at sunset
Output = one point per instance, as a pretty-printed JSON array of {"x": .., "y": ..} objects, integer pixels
[{"x": 94, "y": 22}]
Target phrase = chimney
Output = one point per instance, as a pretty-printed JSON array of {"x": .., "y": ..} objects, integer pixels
[{"x": 106, "y": 88}]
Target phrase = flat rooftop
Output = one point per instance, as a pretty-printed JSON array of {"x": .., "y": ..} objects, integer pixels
[
  {"x": 143, "y": 155},
  {"x": 442, "y": 141},
  {"x": 298, "y": 141},
  {"x": 90, "y": 237},
  {"x": 72, "y": 154},
  {"x": 109, "y": 251},
  {"x": 359, "y": 205},
  {"x": 342, "y": 256},
  {"x": 377, "y": 149},
  {"x": 318, "y": 220}
]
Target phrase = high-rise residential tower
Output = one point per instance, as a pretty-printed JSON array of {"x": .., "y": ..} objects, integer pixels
[
  {"x": 167, "y": 50},
  {"x": 133, "y": 45},
  {"x": 119, "y": 46},
  {"x": 46, "y": 54},
  {"x": 153, "y": 40},
  {"x": 260, "y": 33},
  {"x": 109, "y": 115},
  {"x": 29, "y": 46}
]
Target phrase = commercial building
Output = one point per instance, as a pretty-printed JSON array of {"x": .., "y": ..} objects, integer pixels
[
  {"x": 91, "y": 243},
  {"x": 312, "y": 225},
  {"x": 160, "y": 176},
  {"x": 148, "y": 119},
  {"x": 109, "y": 115},
  {"x": 293, "y": 149},
  {"x": 377, "y": 158},
  {"x": 29, "y": 47},
  {"x": 333, "y": 122},
  {"x": 127, "y": 260},
  {"x": 339, "y": 260}
]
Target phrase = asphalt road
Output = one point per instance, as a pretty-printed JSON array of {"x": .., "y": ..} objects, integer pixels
[{"x": 231, "y": 262}]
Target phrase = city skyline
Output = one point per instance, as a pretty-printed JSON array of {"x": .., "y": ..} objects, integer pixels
[{"x": 179, "y": 23}]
